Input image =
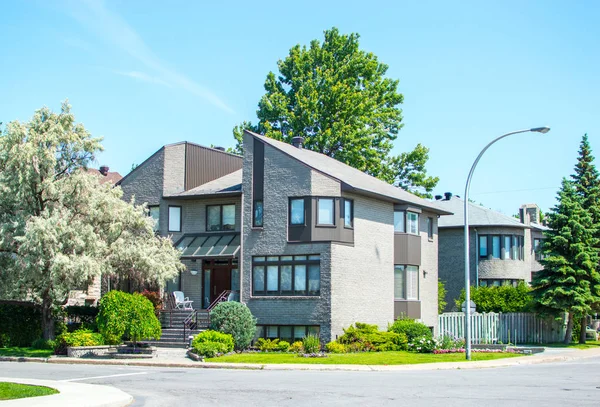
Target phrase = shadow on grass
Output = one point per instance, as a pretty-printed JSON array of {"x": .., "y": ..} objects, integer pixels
[{"x": 25, "y": 352}]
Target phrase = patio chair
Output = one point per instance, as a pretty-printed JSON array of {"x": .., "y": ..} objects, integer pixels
[{"x": 181, "y": 301}]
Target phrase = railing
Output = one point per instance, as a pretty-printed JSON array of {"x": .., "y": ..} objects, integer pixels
[
  {"x": 224, "y": 296},
  {"x": 194, "y": 321},
  {"x": 167, "y": 309}
]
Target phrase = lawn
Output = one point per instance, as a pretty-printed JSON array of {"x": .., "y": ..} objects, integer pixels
[
  {"x": 25, "y": 352},
  {"x": 367, "y": 358},
  {"x": 587, "y": 345},
  {"x": 9, "y": 391}
]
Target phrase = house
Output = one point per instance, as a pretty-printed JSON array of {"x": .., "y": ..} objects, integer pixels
[
  {"x": 503, "y": 250},
  {"x": 105, "y": 175},
  {"x": 311, "y": 245}
]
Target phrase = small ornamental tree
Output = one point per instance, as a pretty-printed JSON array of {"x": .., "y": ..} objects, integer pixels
[
  {"x": 143, "y": 323},
  {"x": 234, "y": 318}
]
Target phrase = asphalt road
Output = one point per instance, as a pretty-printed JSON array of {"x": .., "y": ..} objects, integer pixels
[{"x": 575, "y": 383}]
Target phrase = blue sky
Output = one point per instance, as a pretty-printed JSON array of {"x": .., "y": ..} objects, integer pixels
[{"x": 145, "y": 73}]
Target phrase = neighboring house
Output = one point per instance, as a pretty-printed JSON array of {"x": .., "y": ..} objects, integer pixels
[
  {"x": 503, "y": 250},
  {"x": 105, "y": 175},
  {"x": 310, "y": 244}
]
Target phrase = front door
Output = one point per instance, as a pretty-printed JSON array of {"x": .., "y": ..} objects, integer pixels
[{"x": 220, "y": 281}]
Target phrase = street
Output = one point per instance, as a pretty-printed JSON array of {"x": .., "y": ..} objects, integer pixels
[{"x": 557, "y": 384}]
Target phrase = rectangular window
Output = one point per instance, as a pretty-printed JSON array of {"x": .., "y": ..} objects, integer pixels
[
  {"x": 483, "y": 246},
  {"x": 325, "y": 211},
  {"x": 496, "y": 247},
  {"x": 174, "y": 218},
  {"x": 286, "y": 275},
  {"x": 297, "y": 211},
  {"x": 220, "y": 217},
  {"x": 406, "y": 282},
  {"x": 430, "y": 228},
  {"x": 412, "y": 223},
  {"x": 348, "y": 213},
  {"x": 257, "y": 220},
  {"x": 399, "y": 218},
  {"x": 515, "y": 248},
  {"x": 289, "y": 333},
  {"x": 537, "y": 248},
  {"x": 154, "y": 213},
  {"x": 399, "y": 277},
  {"x": 506, "y": 248}
]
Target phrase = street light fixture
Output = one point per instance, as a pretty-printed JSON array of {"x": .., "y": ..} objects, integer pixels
[{"x": 543, "y": 130}]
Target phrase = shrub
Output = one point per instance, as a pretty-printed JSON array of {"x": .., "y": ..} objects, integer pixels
[
  {"x": 311, "y": 344},
  {"x": 283, "y": 346},
  {"x": 296, "y": 347},
  {"x": 411, "y": 328},
  {"x": 450, "y": 342},
  {"x": 82, "y": 337},
  {"x": 234, "y": 318},
  {"x": 210, "y": 343},
  {"x": 335, "y": 347},
  {"x": 365, "y": 338},
  {"x": 127, "y": 316},
  {"x": 267, "y": 345},
  {"x": 422, "y": 344},
  {"x": 20, "y": 323},
  {"x": 155, "y": 298},
  {"x": 43, "y": 344},
  {"x": 500, "y": 299}
]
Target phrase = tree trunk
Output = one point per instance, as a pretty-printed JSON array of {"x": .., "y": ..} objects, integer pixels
[
  {"x": 569, "y": 332},
  {"x": 583, "y": 328},
  {"x": 47, "y": 317}
]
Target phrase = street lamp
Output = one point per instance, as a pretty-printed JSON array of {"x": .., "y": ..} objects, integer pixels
[{"x": 467, "y": 243}]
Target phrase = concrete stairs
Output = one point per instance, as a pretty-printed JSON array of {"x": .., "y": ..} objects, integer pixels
[{"x": 173, "y": 328}]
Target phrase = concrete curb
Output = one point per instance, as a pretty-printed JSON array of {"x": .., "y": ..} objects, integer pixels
[
  {"x": 71, "y": 394},
  {"x": 523, "y": 360}
]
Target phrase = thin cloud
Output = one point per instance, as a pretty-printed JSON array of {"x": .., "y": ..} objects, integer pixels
[
  {"x": 111, "y": 27},
  {"x": 144, "y": 77}
]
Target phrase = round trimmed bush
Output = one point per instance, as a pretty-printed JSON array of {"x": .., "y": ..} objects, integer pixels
[
  {"x": 234, "y": 318},
  {"x": 211, "y": 343},
  {"x": 412, "y": 329}
]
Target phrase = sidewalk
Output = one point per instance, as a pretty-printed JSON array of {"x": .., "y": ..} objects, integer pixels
[
  {"x": 71, "y": 394},
  {"x": 177, "y": 358}
]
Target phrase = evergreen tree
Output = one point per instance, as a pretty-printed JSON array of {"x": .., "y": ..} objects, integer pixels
[{"x": 564, "y": 285}]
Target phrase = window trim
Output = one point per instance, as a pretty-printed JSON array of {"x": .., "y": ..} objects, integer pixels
[
  {"x": 279, "y": 263},
  {"x": 318, "y": 220},
  {"x": 343, "y": 208},
  {"x": 180, "y": 219},
  {"x": 254, "y": 224},
  {"x": 220, "y": 217},
  {"x": 303, "y": 200}
]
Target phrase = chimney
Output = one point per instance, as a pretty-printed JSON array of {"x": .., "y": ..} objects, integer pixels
[
  {"x": 447, "y": 196},
  {"x": 438, "y": 197},
  {"x": 220, "y": 148},
  {"x": 297, "y": 141},
  {"x": 104, "y": 170},
  {"x": 529, "y": 213}
]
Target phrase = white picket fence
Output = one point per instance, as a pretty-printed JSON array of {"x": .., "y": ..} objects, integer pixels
[{"x": 512, "y": 328}]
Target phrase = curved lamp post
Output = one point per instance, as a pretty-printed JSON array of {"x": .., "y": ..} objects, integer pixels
[{"x": 467, "y": 242}]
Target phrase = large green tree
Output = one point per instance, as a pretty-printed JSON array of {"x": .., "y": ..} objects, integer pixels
[
  {"x": 59, "y": 227},
  {"x": 339, "y": 99},
  {"x": 569, "y": 280}
]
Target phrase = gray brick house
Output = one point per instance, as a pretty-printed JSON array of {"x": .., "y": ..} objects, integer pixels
[
  {"x": 311, "y": 244},
  {"x": 503, "y": 249}
]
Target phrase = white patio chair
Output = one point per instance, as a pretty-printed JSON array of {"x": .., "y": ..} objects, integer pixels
[{"x": 181, "y": 301}]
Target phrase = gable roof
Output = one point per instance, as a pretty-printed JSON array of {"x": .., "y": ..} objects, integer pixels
[
  {"x": 228, "y": 185},
  {"x": 111, "y": 177},
  {"x": 351, "y": 178},
  {"x": 478, "y": 215}
]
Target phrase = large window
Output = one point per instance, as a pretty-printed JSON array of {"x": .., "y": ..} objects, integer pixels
[
  {"x": 174, "y": 218},
  {"x": 297, "y": 211},
  {"x": 406, "y": 282},
  {"x": 220, "y": 217},
  {"x": 289, "y": 333},
  {"x": 496, "y": 247},
  {"x": 505, "y": 247},
  {"x": 257, "y": 219},
  {"x": 406, "y": 222},
  {"x": 154, "y": 213},
  {"x": 348, "y": 213},
  {"x": 325, "y": 211},
  {"x": 286, "y": 275},
  {"x": 483, "y": 246}
]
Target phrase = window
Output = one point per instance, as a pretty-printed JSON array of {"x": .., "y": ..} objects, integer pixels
[
  {"x": 430, "y": 228},
  {"x": 297, "y": 211},
  {"x": 399, "y": 217},
  {"x": 406, "y": 282},
  {"x": 348, "y": 213},
  {"x": 506, "y": 248},
  {"x": 325, "y": 211},
  {"x": 289, "y": 333},
  {"x": 174, "y": 218},
  {"x": 537, "y": 248},
  {"x": 515, "y": 248},
  {"x": 258, "y": 214},
  {"x": 483, "y": 249},
  {"x": 220, "y": 217},
  {"x": 154, "y": 213},
  {"x": 496, "y": 247},
  {"x": 286, "y": 275},
  {"x": 412, "y": 223},
  {"x": 499, "y": 282}
]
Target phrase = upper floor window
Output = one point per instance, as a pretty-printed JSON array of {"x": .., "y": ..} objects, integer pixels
[
  {"x": 154, "y": 213},
  {"x": 430, "y": 228},
  {"x": 406, "y": 222},
  {"x": 257, "y": 219},
  {"x": 496, "y": 247},
  {"x": 297, "y": 211},
  {"x": 537, "y": 248},
  {"x": 348, "y": 213},
  {"x": 501, "y": 247},
  {"x": 483, "y": 249},
  {"x": 399, "y": 221},
  {"x": 220, "y": 217},
  {"x": 174, "y": 218},
  {"x": 406, "y": 282},
  {"x": 325, "y": 211}
]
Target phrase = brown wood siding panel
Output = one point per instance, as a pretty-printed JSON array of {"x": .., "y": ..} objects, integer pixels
[
  {"x": 258, "y": 171},
  {"x": 203, "y": 165},
  {"x": 407, "y": 309},
  {"x": 407, "y": 249},
  {"x": 327, "y": 234}
]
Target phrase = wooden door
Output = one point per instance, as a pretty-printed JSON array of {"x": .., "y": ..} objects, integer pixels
[{"x": 220, "y": 281}]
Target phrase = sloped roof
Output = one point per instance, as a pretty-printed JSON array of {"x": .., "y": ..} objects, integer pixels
[
  {"x": 110, "y": 177},
  {"x": 351, "y": 177},
  {"x": 478, "y": 215},
  {"x": 230, "y": 184}
]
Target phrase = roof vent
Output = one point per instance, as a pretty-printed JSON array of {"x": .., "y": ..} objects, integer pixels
[
  {"x": 447, "y": 196},
  {"x": 104, "y": 170},
  {"x": 297, "y": 141},
  {"x": 438, "y": 197},
  {"x": 220, "y": 148}
]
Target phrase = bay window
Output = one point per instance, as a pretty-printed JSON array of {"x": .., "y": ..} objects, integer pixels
[{"x": 406, "y": 282}]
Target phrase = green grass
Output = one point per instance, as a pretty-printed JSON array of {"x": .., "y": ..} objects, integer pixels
[
  {"x": 25, "y": 352},
  {"x": 587, "y": 345},
  {"x": 367, "y": 358},
  {"x": 10, "y": 391}
]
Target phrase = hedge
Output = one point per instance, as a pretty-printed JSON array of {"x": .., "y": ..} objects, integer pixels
[{"x": 20, "y": 323}]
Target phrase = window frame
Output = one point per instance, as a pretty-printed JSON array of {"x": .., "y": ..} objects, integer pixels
[
  {"x": 296, "y": 260},
  {"x": 180, "y": 219},
  {"x": 290, "y": 222},
  {"x": 333, "y": 213},
  {"x": 430, "y": 228},
  {"x": 262, "y": 214},
  {"x": 308, "y": 329},
  {"x": 487, "y": 249},
  {"x": 403, "y": 217},
  {"x": 417, "y": 223},
  {"x": 405, "y": 282},
  {"x": 351, "y": 202},
  {"x": 497, "y": 238},
  {"x": 221, "y": 217}
]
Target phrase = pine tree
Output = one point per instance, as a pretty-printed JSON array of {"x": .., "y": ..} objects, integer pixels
[
  {"x": 570, "y": 259},
  {"x": 587, "y": 183}
]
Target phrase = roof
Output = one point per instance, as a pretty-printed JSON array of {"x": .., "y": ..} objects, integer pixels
[
  {"x": 201, "y": 245},
  {"x": 539, "y": 227},
  {"x": 230, "y": 184},
  {"x": 478, "y": 215},
  {"x": 110, "y": 177},
  {"x": 352, "y": 178}
]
